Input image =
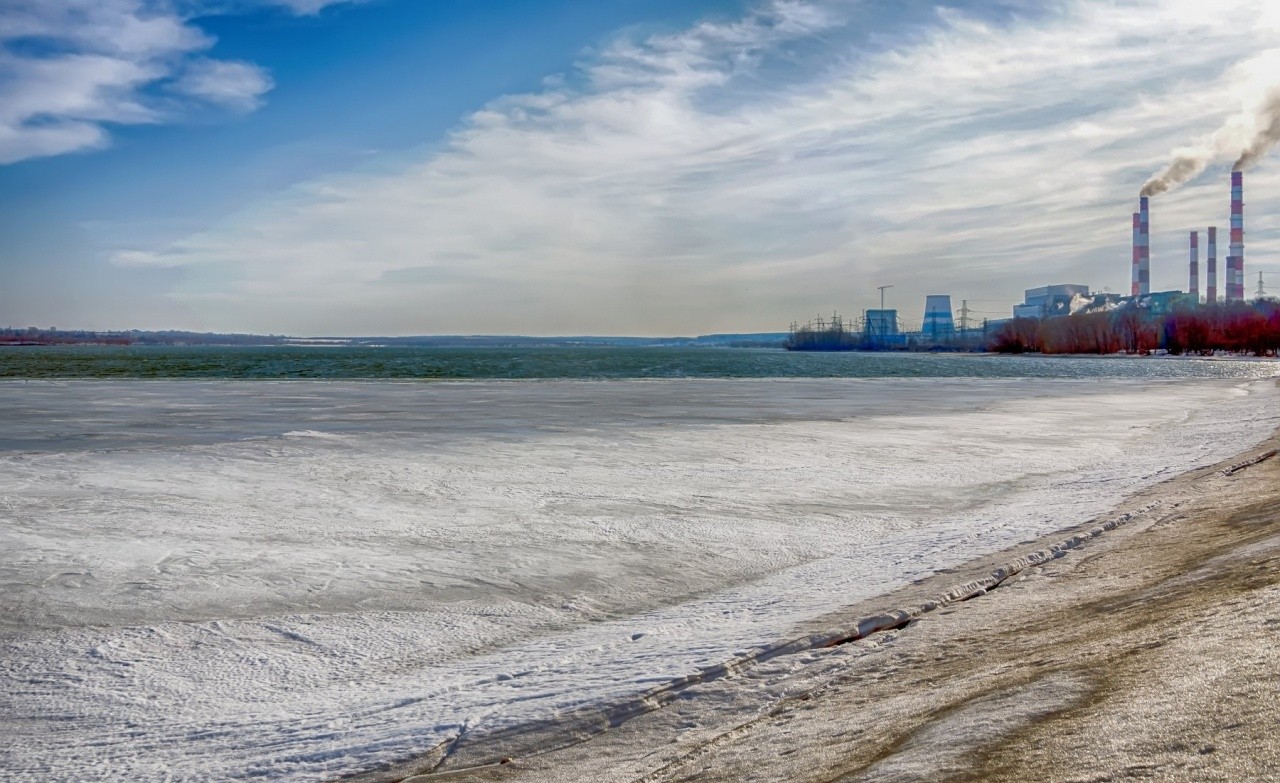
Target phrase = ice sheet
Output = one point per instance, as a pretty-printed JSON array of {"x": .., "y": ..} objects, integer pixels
[{"x": 304, "y": 580}]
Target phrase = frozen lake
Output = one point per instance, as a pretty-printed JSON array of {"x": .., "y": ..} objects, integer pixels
[{"x": 299, "y": 580}]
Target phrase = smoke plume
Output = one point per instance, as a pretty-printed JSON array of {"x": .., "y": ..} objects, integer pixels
[
  {"x": 1268, "y": 134},
  {"x": 1185, "y": 165},
  {"x": 1255, "y": 130}
]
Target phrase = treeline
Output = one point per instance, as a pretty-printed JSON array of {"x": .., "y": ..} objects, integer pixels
[
  {"x": 32, "y": 335},
  {"x": 1239, "y": 327},
  {"x": 35, "y": 336}
]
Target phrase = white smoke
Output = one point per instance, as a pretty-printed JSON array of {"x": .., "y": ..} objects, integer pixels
[{"x": 1266, "y": 134}]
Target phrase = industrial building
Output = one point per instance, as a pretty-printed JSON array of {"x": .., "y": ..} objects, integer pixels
[
  {"x": 1051, "y": 300},
  {"x": 881, "y": 325}
]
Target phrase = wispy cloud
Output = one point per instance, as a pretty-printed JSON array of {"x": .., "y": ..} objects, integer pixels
[
  {"x": 229, "y": 83},
  {"x": 309, "y": 6},
  {"x": 69, "y": 69},
  {"x": 728, "y": 177}
]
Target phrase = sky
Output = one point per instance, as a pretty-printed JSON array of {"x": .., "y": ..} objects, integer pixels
[{"x": 641, "y": 167}]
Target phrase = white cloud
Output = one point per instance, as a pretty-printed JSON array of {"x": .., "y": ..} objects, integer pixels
[
  {"x": 71, "y": 68},
  {"x": 139, "y": 258},
  {"x": 232, "y": 84},
  {"x": 46, "y": 140},
  {"x": 120, "y": 27},
  {"x": 727, "y": 178},
  {"x": 310, "y": 6}
]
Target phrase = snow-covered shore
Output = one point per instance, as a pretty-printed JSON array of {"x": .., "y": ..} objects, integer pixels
[
  {"x": 1149, "y": 651},
  {"x": 304, "y": 581}
]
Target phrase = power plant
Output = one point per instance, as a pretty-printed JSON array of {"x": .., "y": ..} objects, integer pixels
[
  {"x": 881, "y": 328},
  {"x": 1233, "y": 277},
  {"x": 1049, "y": 301}
]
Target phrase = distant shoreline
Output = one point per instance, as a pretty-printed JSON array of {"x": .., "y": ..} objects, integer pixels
[{"x": 183, "y": 339}]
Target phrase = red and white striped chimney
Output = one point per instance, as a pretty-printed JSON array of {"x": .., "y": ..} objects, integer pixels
[
  {"x": 1137, "y": 256},
  {"x": 1211, "y": 267},
  {"x": 1144, "y": 246},
  {"x": 1235, "y": 261},
  {"x": 1195, "y": 265}
]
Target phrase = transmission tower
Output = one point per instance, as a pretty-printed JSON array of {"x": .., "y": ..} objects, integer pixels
[{"x": 1261, "y": 292}]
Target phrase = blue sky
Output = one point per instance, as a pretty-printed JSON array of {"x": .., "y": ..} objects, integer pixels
[{"x": 637, "y": 166}]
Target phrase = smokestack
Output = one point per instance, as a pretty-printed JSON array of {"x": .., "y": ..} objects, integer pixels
[
  {"x": 1144, "y": 246},
  {"x": 1211, "y": 284},
  {"x": 1137, "y": 256},
  {"x": 1195, "y": 265},
  {"x": 1235, "y": 261}
]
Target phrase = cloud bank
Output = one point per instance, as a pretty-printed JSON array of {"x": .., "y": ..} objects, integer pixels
[{"x": 739, "y": 175}]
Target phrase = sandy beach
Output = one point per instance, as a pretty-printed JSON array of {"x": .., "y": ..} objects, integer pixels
[{"x": 1143, "y": 646}]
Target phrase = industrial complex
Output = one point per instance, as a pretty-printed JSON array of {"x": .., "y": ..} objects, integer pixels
[{"x": 882, "y": 329}]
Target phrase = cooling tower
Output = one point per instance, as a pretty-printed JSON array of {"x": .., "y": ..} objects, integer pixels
[{"x": 939, "y": 324}]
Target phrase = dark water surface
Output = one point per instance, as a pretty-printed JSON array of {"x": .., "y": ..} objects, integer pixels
[{"x": 585, "y": 363}]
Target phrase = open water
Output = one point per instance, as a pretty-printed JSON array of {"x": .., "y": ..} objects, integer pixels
[{"x": 578, "y": 362}]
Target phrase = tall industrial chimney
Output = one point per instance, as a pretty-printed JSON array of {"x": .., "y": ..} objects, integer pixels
[
  {"x": 1144, "y": 246},
  {"x": 1211, "y": 284},
  {"x": 1195, "y": 265},
  {"x": 1137, "y": 255},
  {"x": 1235, "y": 261}
]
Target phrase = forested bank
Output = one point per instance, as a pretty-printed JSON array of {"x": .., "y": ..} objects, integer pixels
[{"x": 1240, "y": 327}]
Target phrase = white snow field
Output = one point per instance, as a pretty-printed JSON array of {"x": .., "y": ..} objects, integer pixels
[{"x": 302, "y": 580}]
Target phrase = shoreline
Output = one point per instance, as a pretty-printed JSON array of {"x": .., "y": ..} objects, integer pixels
[{"x": 740, "y": 721}]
